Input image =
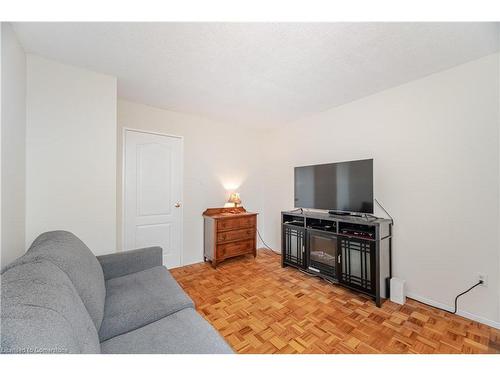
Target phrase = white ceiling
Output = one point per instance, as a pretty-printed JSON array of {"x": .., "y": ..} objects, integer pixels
[{"x": 258, "y": 74}]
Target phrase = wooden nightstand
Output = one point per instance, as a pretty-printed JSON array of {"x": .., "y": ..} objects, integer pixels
[{"x": 229, "y": 232}]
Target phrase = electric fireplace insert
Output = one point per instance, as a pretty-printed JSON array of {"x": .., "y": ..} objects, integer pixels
[{"x": 322, "y": 252}]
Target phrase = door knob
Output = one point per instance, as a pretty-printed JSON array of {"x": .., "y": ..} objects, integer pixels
[{"x": 177, "y": 205}]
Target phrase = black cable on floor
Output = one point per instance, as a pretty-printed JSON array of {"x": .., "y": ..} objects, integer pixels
[
  {"x": 456, "y": 299},
  {"x": 461, "y": 294},
  {"x": 265, "y": 244}
]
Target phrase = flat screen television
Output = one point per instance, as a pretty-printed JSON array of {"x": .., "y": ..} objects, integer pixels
[{"x": 342, "y": 187}]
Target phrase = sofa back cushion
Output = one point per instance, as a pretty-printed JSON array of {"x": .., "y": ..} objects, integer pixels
[
  {"x": 72, "y": 256},
  {"x": 41, "y": 312}
]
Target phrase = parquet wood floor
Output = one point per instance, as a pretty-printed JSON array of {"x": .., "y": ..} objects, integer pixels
[{"x": 260, "y": 307}]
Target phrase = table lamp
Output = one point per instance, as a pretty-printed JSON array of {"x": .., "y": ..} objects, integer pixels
[{"x": 235, "y": 199}]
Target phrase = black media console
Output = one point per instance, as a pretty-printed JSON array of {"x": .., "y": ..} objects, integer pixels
[{"x": 353, "y": 251}]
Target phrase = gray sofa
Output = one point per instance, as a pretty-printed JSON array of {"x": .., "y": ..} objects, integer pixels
[{"x": 60, "y": 298}]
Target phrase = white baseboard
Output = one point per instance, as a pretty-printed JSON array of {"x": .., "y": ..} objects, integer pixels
[{"x": 462, "y": 313}]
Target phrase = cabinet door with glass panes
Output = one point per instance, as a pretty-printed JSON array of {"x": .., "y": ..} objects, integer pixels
[
  {"x": 293, "y": 245},
  {"x": 356, "y": 262}
]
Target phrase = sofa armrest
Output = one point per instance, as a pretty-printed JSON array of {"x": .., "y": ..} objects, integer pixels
[{"x": 127, "y": 262}]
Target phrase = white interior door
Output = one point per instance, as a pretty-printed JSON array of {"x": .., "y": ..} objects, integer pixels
[{"x": 152, "y": 194}]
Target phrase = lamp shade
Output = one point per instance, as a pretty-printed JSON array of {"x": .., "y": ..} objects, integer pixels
[{"x": 234, "y": 198}]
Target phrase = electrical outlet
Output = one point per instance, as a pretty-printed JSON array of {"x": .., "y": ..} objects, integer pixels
[{"x": 484, "y": 279}]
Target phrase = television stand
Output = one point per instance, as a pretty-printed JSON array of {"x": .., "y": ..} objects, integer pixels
[{"x": 353, "y": 251}]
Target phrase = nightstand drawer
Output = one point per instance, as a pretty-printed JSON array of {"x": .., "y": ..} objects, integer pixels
[
  {"x": 234, "y": 235},
  {"x": 235, "y": 223},
  {"x": 235, "y": 248}
]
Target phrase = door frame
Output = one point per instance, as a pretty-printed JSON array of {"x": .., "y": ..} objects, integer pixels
[{"x": 124, "y": 134}]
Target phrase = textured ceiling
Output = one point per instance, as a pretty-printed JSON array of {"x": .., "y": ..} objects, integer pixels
[{"x": 258, "y": 74}]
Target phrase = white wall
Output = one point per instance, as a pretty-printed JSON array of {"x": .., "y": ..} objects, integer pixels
[
  {"x": 13, "y": 146},
  {"x": 218, "y": 158},
  {"x": 71, "y": 153},
  {"x": 435, "y": 142}
]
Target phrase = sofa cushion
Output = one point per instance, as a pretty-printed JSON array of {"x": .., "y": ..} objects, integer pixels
[
  {"x": 140, "y": 298},
  {"x": 41, "y": 312},
  {"x": 35, "y": 330},
  {"x": 72, "y": 256},
  {"x": 183, "y": 332}
]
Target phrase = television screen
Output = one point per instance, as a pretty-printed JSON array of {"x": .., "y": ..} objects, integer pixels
[{"x": 346, "y": 186}]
